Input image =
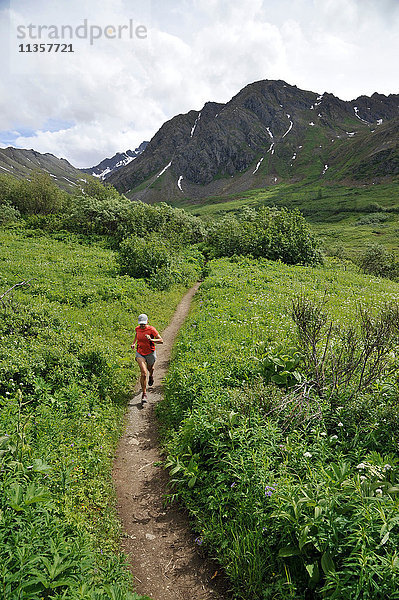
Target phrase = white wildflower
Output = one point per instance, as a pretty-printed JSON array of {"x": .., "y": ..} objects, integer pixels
[
  {"x": 334, "y": 437},
  {"x": 378, "y": 491},
  {"x": 323, "y": 433},
  {"x": 361, "y": 466},
  {"x": 307, "y": 455},
  {"x": 340, "y": 424}
]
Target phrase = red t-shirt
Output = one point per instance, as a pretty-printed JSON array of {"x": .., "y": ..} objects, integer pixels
[{"x": 145, "y": 346}]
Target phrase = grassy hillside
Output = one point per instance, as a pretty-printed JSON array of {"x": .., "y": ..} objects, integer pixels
[
  {"x": 66, "y": 372},
  {"x": 267, "y": 419},
  {"x": 294, "y": 491},
  {"x": 350, "y": 217}
]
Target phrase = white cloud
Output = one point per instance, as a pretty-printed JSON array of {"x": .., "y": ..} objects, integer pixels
[{"x": 116, "y": 93}]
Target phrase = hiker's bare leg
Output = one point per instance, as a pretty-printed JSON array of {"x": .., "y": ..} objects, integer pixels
[{"x": 143, "y": 373}]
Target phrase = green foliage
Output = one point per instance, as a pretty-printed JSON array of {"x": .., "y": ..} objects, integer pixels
[
  {"x": 142, "y": 257},
  {"x": 172, "y": 224},
  {"x": 277, "y": 234},
  {"x": 376, "y": 260},
  {"x": 40, "y": 195},
  {"x": 93, "y": 188},
  {"x": 8, "y": 214},
  {"x": 296, "y": 498},
  {"x": 100, "y": 214},
  {"x": 372, "y": 219},
  {"x": 65, "y": 372},
  {"x": 154, "y": 258}
]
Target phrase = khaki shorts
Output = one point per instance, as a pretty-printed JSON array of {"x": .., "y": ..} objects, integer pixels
[{"x": 149, "y": 358}]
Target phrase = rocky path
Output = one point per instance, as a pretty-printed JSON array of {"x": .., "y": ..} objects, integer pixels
[{"x": 163, "y": 555}]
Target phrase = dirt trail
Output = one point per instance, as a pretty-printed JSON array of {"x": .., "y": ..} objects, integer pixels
[{"x": 163, "y": 555}]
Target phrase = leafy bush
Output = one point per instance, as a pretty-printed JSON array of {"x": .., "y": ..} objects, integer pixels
[
  {"x": 172, "y": 224},
  {"x": 153, "y": 258},
  {"x": 372, "y": 219},
  {"x": 376, "y": 260},
  {"x": 96, "y": 215},
  {"x": 142, "y": 257},
  {"x": 8, "y": 214},
  {"x": 40, "y": 195},
  {"x": 277, "y": 234}
]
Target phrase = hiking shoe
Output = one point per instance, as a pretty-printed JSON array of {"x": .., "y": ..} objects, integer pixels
[
  {"x": 151, "y": 380},
  {"x": 143, "y": 398}
]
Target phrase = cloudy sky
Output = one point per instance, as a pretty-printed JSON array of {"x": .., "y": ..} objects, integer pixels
[{"x": 152, "y": 59}]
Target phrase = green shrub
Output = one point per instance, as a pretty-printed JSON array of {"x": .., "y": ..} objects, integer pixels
[
  {"x": 172, "y": 224},
  {"x": 154, "y": 259},
  {"x": 40, "y": 195},
  {"x": 372, "y": 219},
  {"x": 96, "y": 215},
  {"x": 277, "y": 234},
  {"x": 8, "y": 214},
  {"x": 144, "y": 256},
  {"x": 376, "y": 260}
]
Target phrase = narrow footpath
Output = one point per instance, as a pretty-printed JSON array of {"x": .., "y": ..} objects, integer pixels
[{"x": 164, "y": 558}]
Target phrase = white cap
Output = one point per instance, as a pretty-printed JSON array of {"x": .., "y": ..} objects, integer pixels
[{"x": 143, "y": 319}]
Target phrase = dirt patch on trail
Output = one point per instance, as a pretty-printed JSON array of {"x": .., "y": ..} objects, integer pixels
[{"x": 161, "y": 548}]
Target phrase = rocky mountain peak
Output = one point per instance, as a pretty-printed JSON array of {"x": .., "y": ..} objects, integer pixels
[{"x": 257, "y": 138}]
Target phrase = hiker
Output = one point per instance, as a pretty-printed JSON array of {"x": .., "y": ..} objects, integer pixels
[{"x": 146, "y": 338}]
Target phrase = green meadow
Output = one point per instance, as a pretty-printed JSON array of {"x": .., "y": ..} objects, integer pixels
[
  {"x": 280, "y": 423},
  {"x": 66, "y": 373},
  {"x": 344, "y": 218},
  {"x": 293, "y": 491}
]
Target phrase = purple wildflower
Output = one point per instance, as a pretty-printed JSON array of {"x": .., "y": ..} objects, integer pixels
[
  {"x": 199, "y": 540},
  {"x": 269, "y": 489}
]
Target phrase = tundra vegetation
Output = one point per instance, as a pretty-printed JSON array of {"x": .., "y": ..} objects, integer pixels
[
  {"x": 280, "y": 418},
  {"x": 281, "y": 428}
]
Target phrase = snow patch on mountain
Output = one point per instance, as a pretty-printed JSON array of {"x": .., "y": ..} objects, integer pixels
[
  {"x": 179, "y": 183},
  {"x": 164, "y": 169},
  {"x": 73, "y": 183},
  {"x": 258, "y": 165},
  {"x": 195, "y": 125},
  {"x": 290, "y": 127},
  {"x": 119, "y": 160},
  {"x": 355, "y": 108}
]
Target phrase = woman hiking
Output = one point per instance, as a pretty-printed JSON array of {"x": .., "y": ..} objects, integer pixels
[{"x": 146, "y": 338}]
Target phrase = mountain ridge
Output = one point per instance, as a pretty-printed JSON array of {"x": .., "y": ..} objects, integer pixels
[
  {"x": 268, "y": 132},
  {"x": 21, "y": 162},
  {"x": 108, "y": 165}
]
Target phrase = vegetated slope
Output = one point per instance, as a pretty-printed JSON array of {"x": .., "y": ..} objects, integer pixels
[
  {"x": 283, "y": 482},
  {"x": 269, "y": 132},
  {"x": 109, "y": 165},
  {"x": 21, "y": 163},
  {"x": 66, "y": 370}
]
